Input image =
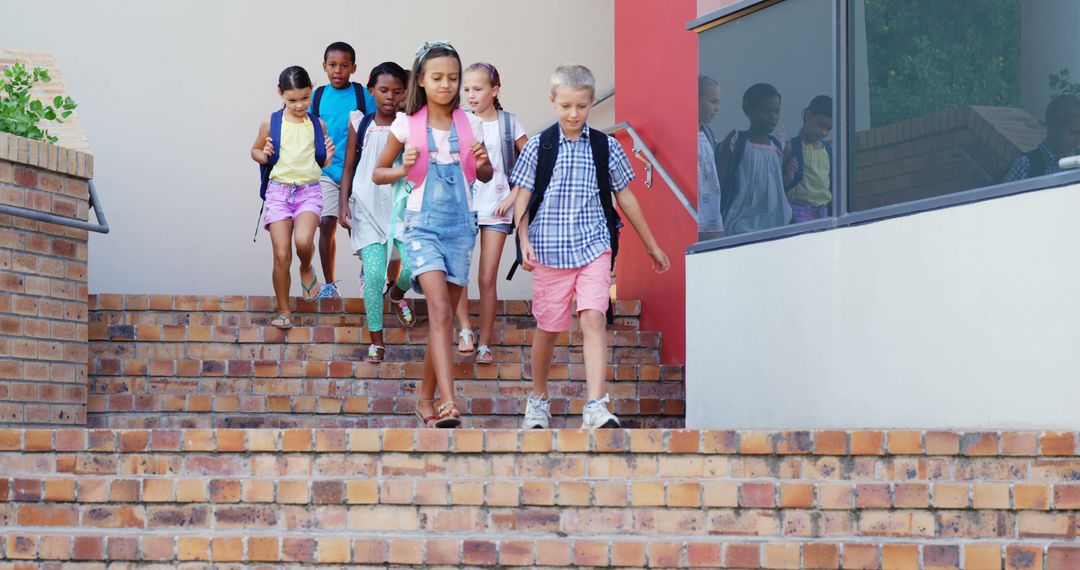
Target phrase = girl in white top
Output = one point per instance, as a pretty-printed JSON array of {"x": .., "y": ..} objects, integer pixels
[
  {"x": 373, "y": 212},
  {"x": 504, "y": 138}
]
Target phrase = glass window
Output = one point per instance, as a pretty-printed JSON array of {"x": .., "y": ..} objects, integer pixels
[
  {"x": 765, "y": 91},
  {"x": 952, "y": 96}
]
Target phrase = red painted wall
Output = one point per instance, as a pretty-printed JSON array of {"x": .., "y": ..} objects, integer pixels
[{"x": 656, "y": 92}]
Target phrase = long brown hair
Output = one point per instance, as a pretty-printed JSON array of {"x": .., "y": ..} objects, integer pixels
[
  {"x": 415, "y": 97},
  {"x": 493, "y": 78}
]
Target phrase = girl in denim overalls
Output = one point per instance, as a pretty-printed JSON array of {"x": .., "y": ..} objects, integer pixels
[{"x": 443, "y": 155}]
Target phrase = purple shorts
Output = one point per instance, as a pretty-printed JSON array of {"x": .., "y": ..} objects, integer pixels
[
  {"x": 287, "y": 201},
  {"x": 805, "y": 212}
]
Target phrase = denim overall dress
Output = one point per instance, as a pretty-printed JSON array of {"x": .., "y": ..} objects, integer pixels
[{"x": 441, "y": 236}]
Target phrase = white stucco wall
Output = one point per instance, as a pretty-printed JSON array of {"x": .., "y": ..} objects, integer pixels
[
  {"x": 965, "y": 317},
  {"x": 171, "y": 95}
]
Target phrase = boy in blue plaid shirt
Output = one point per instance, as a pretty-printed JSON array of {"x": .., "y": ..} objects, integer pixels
[{"x": 567, "y": 246}]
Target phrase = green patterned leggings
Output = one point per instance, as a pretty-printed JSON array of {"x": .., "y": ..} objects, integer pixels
[{"x": 374, "y": 258}]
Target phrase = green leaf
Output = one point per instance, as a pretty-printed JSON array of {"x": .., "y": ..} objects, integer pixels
[
  {"x": 65, "y": 114},
  {"x": 50, "y": 114},
  {"x": 57, "y": 101}
]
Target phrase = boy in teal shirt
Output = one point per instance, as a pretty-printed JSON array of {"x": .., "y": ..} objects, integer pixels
[{"x": 333, "y": 104}]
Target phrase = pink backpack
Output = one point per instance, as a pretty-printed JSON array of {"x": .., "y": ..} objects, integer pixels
[{"x": 418, "y": 137}]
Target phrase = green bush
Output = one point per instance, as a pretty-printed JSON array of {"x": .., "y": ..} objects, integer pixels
[{"x": 19, "y": 113}]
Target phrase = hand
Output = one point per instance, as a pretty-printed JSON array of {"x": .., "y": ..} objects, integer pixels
[
  {"x": 409, "y": 157},
  {"x": 268, "y": 148},
  {"x": 329, "y": 149},
  {"x": 479, "y": 152},
  {"x": 790, "y": 168},
  {"x": 660, "y": 259},
  {"x": 528, "y": 255},
  {"x": 344, "y": 218},
  {"x": 505, "y": 205}
]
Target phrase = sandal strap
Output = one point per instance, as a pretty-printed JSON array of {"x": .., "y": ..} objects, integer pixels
[{"x": 444, "y": 406}]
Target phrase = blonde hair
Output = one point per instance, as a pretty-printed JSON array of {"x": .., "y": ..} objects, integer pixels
[{"x": 573, "y": 76}]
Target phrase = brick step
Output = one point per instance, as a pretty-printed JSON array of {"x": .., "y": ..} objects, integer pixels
[
  {"x": 379, "y": 401},
  {"x": 103, "y": 334},
  {"x": 544, "y": 498},
  {"x": 258, "y": 310},
  {"x": 242, "y": 550}
]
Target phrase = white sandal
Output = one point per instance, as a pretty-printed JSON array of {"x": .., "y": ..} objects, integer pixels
[{"x": 466, "y": 336}]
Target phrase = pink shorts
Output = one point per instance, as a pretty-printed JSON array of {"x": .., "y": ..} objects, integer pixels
[
  {"x": 287, "y": 201},
  {"x": 555, "y": 289}
]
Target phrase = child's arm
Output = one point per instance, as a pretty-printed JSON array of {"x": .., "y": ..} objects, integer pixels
[
  {"x": 484, "y": 171},
  {"x": 263, "y": 147},
  {"x": 347, "y": 174},
  {"x": 791, "y": 166},
  {"x": 521, "y": 217},
  {"x": 519, "y": 144},
  {"x": 629, "y": 205},
  {"x": 385, "y": 172},
  {"x": 329, "y": 145},
  {"x": 507, "y": 203}
]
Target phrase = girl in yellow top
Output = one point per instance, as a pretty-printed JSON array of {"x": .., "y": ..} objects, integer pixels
[
  {"x": 293, "y": 196},
  {"x": 808, "y": 164}
]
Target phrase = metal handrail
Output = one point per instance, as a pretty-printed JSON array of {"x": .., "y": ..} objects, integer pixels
[
  {"x": 101, "y": 227},
  {"x": 642, "y": 151}
]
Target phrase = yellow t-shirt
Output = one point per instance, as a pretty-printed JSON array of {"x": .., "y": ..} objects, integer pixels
[
  {"x": 814, "y": 187},
  {"x": 296, "y": 163}
]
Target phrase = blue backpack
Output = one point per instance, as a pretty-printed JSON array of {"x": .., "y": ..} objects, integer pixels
[{"x": 275, "y": 136}]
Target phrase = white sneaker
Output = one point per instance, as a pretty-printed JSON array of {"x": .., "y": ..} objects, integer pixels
[
  {"x": 329, "y": 291},
  {"x": 537, "y": 413},
  {"x": 596, "y": 415}
]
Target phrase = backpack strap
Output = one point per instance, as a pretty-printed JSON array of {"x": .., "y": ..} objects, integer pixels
[
  {"x": 546, "y": 155},
  {"x": 727, "y": 194},
  {"x": 601, "y": 153},
  {"x": 418, "y": 123},
  {"x": 320, "y": 140},
  {"x": 466, "y": 139},
  {"x": 316, "y": 99},
  {"x": 509, "y": 149},
  {"x": 797, "y": 154},
  {"x": 361, "y": 102},
  {"x": 361, "y": 132},
  {"x": 1036, "y": 162},
  {"x": 275, "y": 136}
]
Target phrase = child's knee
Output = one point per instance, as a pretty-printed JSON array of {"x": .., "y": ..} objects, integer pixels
[
  {"x": 488, "y": 283},
  {"x": 304, "y": 249},
  {"x": 282, "y": 256},
  {"x": 439, "y": 313},
  {"x": 592, "y": 320}
]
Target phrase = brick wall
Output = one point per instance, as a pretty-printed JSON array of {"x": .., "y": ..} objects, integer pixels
[
  {"x": 939, "y": 153},
  {"x": 43, "y": 315},
  {"x": 564, "y": 498}
]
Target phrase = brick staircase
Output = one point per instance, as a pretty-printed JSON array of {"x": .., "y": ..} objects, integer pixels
[
  {"x": 268, "y": 498},
  {"x": 159, "y": 361}
]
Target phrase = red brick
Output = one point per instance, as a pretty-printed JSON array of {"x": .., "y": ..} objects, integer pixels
[
  {"x": 742, "y": 556},
  {"x": 1058, "y": 443},
  {"x": 703, "y": 554},
  {"x": 1019, "y": 557}
]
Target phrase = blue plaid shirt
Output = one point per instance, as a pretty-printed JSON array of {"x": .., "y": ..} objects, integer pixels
[
  {"x": 570, "y": 230},
  {"x": 1021, "y": 169}
]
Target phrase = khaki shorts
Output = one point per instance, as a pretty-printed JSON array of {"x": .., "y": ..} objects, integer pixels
[{"x": 331, "y": 197}]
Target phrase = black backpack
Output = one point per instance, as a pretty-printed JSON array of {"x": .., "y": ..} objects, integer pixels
[
  {"x": 361, "y": 103},
  {"x": 361, "y": 132},
  {"x": 547, "y": 153}
]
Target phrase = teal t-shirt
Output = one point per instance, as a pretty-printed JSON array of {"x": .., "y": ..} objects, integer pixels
[{"x": 334, "y": 110}]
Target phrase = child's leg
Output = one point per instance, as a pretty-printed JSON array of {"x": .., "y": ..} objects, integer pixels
[
  {"x": 441, "y": 297},
  {"x": 304, "y": 235},
  {"x": 543, "y": 347},
  {"x": 594, "y": 326},
  {"x": 399, "y": 267},
  {"x": 461, "y": 310},
  {"x": 374, "y": 258},
  {"x": 491, "y": 246},
  {"x": 328, "y": 246},
  {"x": 281, "y": 239}
]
